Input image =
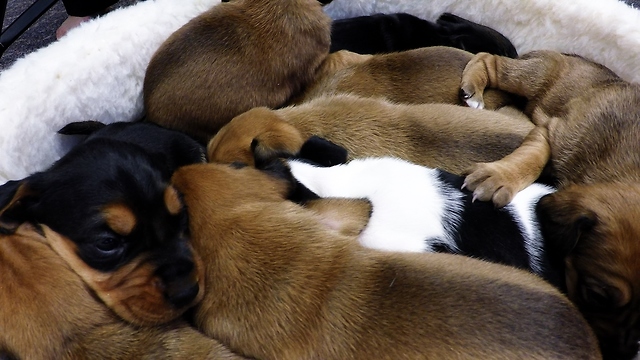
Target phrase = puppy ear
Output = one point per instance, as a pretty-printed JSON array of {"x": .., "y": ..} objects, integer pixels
[
  {"x": 322, "y": 152},
  {"x": 297, "y": 192},
  {"x": 16, "y": 198},
  {"x": 81, "y": 127},
  {"x": 563, "y": 221}
]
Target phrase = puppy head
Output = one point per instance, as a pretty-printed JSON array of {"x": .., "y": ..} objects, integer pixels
[
  {"x": 593, "y": 232},
  {"x": 256, "y": 134},
  {"x": 124, "y": 228}
]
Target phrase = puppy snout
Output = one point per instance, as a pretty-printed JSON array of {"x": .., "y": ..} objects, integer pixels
[
  {"x": 181, "y": 281},
  {"x": 624, "y": 347}
]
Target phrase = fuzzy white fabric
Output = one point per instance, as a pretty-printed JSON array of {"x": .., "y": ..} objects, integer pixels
[
  {"x": 95, "y": 72},
  {"x": 605, "y": 31}
]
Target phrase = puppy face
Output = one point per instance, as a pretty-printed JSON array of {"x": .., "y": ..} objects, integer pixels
[
  {"x": 594, "y": 230},
  {"x": 258, "y": 133},
  {"x": 125, "y": 229}
]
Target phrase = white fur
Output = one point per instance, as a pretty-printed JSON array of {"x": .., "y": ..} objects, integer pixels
[
  {"x": 606, "y": 31},
  {"x": 522, "y": 209},
  {"x": 93, "y": 73},
  {"x": 413, "y": 210},
  {"x": 409, "y": 203}
]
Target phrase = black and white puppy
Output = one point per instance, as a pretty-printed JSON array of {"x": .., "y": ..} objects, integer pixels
[
  {"x": 421, "y": 209},
  {"x": 384, "y": 33}
]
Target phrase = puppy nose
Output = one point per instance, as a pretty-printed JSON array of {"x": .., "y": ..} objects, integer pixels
[
  {"x": 181, "y": 296},
  {"x": 181, "y": 284}
]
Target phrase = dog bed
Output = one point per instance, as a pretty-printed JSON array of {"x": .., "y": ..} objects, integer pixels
[{"x": 96, "y": 71}]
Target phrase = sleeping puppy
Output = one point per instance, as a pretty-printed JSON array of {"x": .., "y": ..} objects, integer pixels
[
  {"x": 48, "y": 312},
  {"x": 281, "y": 285},
  {"x": 238, "y": 55},
  {"x": 420, "y": 209},
  {"x": 435, "y": 135},
  {"x": 385, "y": 33},
  {"x": 122, "y": 222},
  {"x": 420, "y": 76},
  {"x": 587, "y": 124}
]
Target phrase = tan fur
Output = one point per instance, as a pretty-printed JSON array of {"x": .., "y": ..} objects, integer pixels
[
  {"x": 119, "y": 218},
  {"x": 237, "y": 55},
  {"x": 420, "y": 76},
  {"x": 279, "y": 285},
  {"x": 47, "y": 312},
  {"x": 348, "y": 217},
  {"x": 591, "y": 118},
  {"x": 436, "y": 135}
]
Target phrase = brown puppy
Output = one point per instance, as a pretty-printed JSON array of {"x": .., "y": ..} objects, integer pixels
[
  {"x": 280, "y": 286},
  {"x": 48, "y": 312},
  {"x": 436, "y": 135},
  {"x": 420, "y": 76},
  {"x": 587, "y": 127},
  {"x": 237, "y": 55}
]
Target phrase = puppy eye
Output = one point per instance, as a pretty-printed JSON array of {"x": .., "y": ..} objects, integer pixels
[
  {"x": 108, "y": 245},
  {"x": 596, "y": 297}
]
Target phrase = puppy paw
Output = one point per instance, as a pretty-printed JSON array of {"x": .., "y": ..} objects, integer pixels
[
  {"x": 475, "y": 78},
  {"x": 491, "y": 182}
]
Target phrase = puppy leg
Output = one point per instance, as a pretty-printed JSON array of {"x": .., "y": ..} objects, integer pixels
[
  {"x": 528, "y": 77},
  {"x": 501, "y": 180}
]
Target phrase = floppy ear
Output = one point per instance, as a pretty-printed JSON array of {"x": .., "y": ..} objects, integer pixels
[
  {"x": 564, "y": 219},
  {"x": 16, "y": 199},
  {"x": 81, "y": 127},
  {"x": 322, "y": 152}
]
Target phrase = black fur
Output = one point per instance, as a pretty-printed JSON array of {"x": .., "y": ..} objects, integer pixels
[
  {"x": 125, "y": 163},
  {"x": 384, "y": 33}
]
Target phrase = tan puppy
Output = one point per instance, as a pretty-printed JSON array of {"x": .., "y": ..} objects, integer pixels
[
  {"x": 48, "y": 312},
  {"x": 587, "y": 127},
  {"x": 238, "y": 55},
  {"x": 279, "y": 285},
  {"x": 425, "y": 75},
  {"x": 436, "y": 135}
]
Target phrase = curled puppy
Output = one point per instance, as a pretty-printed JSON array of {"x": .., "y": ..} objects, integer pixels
[
  {"x": 420, "y": 76},
  {"x": 48, "y": 312},
  {"x": 420, "y": 209},
  {"x": 435, "y": 135},
  {"x": 280, "y": 285},
  {"x": 238, "y": 55},
  {"x": 124, "y": 227},
  {"x": 587, "y": 124},
  {"x": 385, "y": 33}
]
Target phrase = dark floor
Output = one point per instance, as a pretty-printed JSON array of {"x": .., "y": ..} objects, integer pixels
[{"x": 43, "y": 31}]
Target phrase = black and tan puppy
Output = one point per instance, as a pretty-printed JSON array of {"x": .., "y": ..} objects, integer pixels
[
  {"x": 436, "y": 135},
  {"x": 281, "y": 285},
  {"x": 238, "y": 55},
  {"x": 110, "y": 197},
  {"x": 588, "y": 128},
  {"x": 48, "y": 312},
  {"x": 420, "y": 76},
  {"x": 386, "y": 33}
]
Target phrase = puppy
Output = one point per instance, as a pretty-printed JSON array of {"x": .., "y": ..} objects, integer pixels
[
  {"x": 587, "y": 121},
  {"x": 435, "y": 135},
  {"x": 385, "y": 33},
  {"x": 122, "y": 222},
  {"x": 421, "y": 209},
  {"x": 47, "y": 312},
  {"x": 426, "y": 75},
  {"x": 281, "y": 285},
  {"x": 238, "y": 55}
]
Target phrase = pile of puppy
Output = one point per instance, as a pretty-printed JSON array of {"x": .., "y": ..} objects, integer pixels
[{"x": 287, "y": 198}]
